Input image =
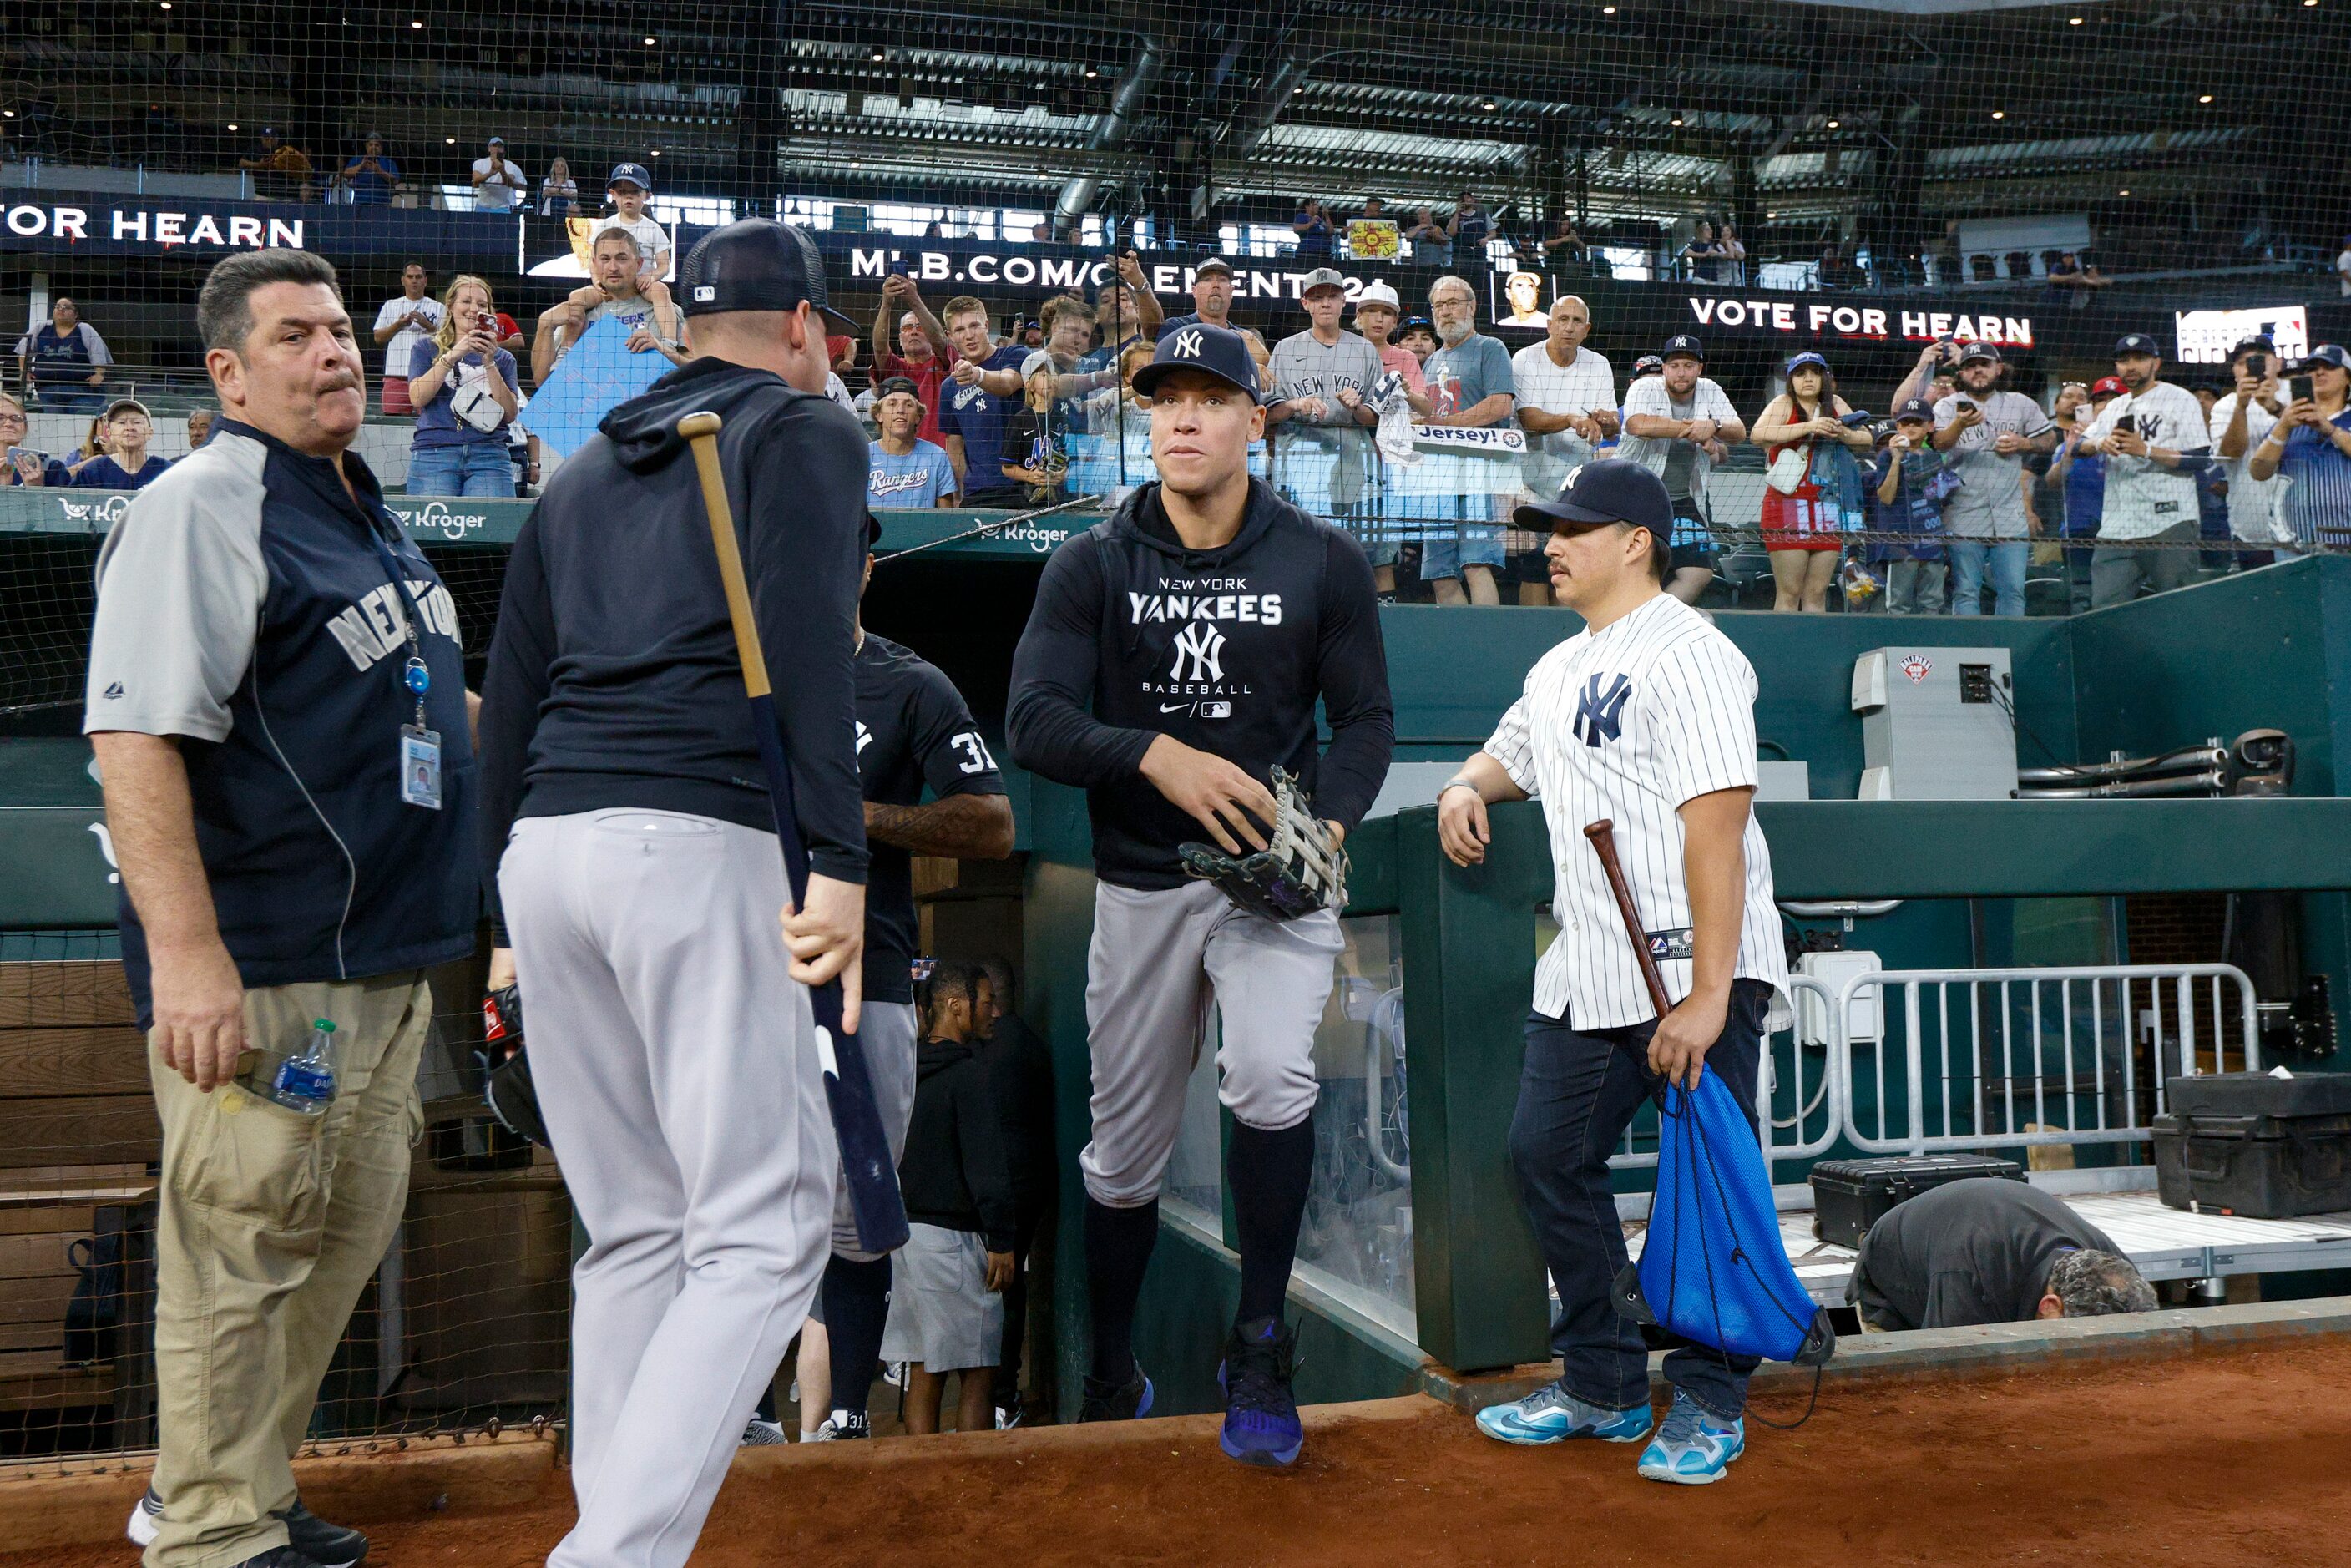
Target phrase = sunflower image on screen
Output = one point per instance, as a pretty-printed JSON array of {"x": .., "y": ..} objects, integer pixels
[{"x": 1522, "y": 293}]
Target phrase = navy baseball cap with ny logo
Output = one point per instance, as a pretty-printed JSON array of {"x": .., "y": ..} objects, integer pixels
[{"x": 1196, "y": 346}]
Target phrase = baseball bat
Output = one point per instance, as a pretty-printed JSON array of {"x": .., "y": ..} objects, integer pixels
[
  {"x": 874, "y": 1196},
  {"x": 1602, "y": 834}
]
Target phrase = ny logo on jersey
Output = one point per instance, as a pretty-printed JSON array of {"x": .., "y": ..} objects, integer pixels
[
  {"x": 1189, "y": 343},
  {"x": 1599, "y": 716},
  {"x": 1200, "y": 646}
]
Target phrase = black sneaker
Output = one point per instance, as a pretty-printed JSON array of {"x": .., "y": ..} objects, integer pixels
[
  {"x": 1261, "y": 1424},
  {"x": 279, "y": 1557},
  {"x": 328, "y": 1545},
  {"x": 842, "y": 1427},
  {"x": 1116, "y": 1401}
]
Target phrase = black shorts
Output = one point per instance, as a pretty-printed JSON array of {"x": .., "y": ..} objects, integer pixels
[{"x": 1528, "y": 566}]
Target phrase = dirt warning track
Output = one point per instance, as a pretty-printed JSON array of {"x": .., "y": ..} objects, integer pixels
[{"x": 2223, "y": 1458}]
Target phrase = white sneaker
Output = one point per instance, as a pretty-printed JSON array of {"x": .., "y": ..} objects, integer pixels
[
  {"x": 146, "y": 1521},
  {"x": 764, "y": 1433}
]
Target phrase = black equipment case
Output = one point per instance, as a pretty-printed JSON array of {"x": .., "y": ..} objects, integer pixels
[
  {"x": 2252, "y": 1144},
  {"x": 1851, "y": 1195}
]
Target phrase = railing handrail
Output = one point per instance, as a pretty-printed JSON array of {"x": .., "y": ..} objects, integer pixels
[{"x": 1915, "y": 1139}]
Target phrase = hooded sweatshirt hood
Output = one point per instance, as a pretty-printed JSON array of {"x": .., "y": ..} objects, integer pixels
[{"x": 643, "y": 429}]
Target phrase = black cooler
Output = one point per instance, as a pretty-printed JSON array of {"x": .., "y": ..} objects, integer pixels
[
  {"x": 2254, "y": 1145},
  {"x": 1851, "y": 1195}
]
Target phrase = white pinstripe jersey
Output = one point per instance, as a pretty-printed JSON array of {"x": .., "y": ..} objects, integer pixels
[
  {"x": 2142, "y": 496},
  {"x": 1629, "y": 723}
]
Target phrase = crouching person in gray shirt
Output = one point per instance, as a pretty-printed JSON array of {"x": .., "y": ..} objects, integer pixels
[{"x": 277, "y": 699}]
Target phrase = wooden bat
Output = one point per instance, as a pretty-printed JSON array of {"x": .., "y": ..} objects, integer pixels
[
  {"x": 874, "y": 1196},
  {"x": 1602, "y": 834}
]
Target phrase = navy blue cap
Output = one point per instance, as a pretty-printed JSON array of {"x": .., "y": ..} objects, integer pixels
[
  {"x": 635, "y": 173},
  {"x": 2136, "y": 343},
  {"x": 2326, "y": 354},
  {"x": 1798, "y": 361},
  {"x": 1683, "y": 344},
  {"x": 756, "y": 264},
  {"x": 1978, "y": 352},
  {"x": 1423, "y": 322},
  {"x": 2259, "y": 343},
  {"x": 906, "y": 384},
  {"x": 1611, "y": 490},
  {"x": 1219, "y": 351},
  {"x": 1916, "y": 408}
]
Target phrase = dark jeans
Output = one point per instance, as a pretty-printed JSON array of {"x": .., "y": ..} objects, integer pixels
[
  {"x": 1577, "y": 1094},
  {"x": 1016, "y": 1304}
]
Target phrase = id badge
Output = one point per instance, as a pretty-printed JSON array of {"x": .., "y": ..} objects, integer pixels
[{"x": 420, "y": 767}]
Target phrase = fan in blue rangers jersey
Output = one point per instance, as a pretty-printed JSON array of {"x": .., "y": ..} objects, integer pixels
[
  {"x": 1174, "y": 656},
  {"x": 914, "y": 733}
]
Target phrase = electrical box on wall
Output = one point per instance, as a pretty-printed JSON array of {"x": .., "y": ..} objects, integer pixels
[
  {"x": 1937, "y": 724},
  {"x": 1862, "y": 1022}
]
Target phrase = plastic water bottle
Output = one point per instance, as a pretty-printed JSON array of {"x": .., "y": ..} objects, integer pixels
[{"x": 305, "y": 1082}]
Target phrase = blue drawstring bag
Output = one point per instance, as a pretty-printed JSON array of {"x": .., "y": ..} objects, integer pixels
[{"x": 1712, "y": 1269}]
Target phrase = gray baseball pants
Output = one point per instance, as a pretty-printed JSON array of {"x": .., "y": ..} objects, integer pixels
[
  {"x": 1158, "y": 958},
  {"x": 676, "y": 1064}
]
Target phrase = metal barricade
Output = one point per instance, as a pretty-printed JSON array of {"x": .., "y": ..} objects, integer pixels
[
  {"x": 2029, "y": 1057},
  {"x": 1818, "y": 1105}
]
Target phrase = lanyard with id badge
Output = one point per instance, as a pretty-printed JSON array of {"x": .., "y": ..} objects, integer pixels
[{"x": 420, "y": 746}]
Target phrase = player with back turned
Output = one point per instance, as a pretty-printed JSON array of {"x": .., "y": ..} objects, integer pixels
[
  {"x": 673, "y": 1036},
  {"x": 1172, "y": 664},
  {"x": 914, "y": 733},
  {"x": 1646, "y": 719}
]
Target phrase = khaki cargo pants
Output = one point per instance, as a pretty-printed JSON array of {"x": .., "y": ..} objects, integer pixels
[{"x": 270, "y": 1223}]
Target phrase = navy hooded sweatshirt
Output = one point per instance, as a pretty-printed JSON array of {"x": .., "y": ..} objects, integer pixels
[
  {"x": 1135, "y": 636},
  {"x": 613, "y": 681}
]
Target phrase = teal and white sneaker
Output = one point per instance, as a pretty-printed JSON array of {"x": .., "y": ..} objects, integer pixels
[
  {"x": 1551, "y": 1415},
  {"x": 1692, "y": 1448}
]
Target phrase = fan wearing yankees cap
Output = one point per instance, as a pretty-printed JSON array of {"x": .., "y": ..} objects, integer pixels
[
  {"x": 673, "y": 1040},
  {"x": 1646, "y": 718},
  {"x": 1172, "y": 664},
  {"x": 2154, "y": 440}
]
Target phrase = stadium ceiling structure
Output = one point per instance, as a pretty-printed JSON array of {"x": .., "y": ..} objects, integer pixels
[{"x": 1887, "y": 116}]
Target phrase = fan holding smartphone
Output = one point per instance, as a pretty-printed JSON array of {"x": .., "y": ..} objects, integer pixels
[
  {"x": 2311, "y": 446},
  {"x": 2241, "y": 421},
  {"x": 2155, "y": 442}
]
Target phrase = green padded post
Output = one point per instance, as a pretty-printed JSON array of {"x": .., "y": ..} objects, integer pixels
[{"x": 1468, "y": 963}]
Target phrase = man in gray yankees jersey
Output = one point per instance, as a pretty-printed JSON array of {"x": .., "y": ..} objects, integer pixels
[
  {"x": 1322, "y": 377},
  {"x": 1647, "y": 718}
]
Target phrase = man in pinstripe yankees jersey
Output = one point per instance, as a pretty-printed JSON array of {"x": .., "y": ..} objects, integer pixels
[{"x": 1646, "y": 718}]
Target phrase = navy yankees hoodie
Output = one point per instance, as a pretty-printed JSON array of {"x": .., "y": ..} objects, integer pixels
[
  {"x": 614, "y": 681},
  {"x": 1135, "y": 636}
]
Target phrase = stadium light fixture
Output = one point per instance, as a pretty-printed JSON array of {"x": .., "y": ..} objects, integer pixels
[
  {"x": 415, "y": 26},
  {"x": 655, "y": 154},
  {"x": 1832, "y": 125},
  {"x": 232, "y": 124},
  {"x": 1999, "y": 114},
  {"x": 2124, "y": 191},
  {"x": 877, "y": 54},
  {"x": 2204, "y": 98},
  {"x": 651, "y": 42},
  {"x": 1093, "y": 72},
  {"x": 1487, "y": 104},
  {"x": 1608, "y": 10},
  {"x": 2075, "y": 21}
]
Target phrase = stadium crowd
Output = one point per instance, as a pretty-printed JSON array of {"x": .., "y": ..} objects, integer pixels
[{"x": 1410, "y": 426}]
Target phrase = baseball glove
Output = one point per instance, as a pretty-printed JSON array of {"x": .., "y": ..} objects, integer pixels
[
  {"x": 505, "y": 1082},
  {"x": 1299, "y": 872}
]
